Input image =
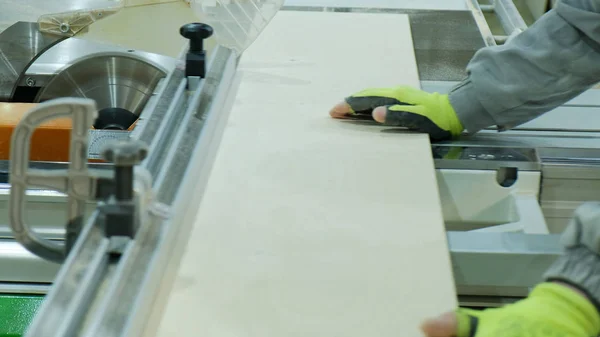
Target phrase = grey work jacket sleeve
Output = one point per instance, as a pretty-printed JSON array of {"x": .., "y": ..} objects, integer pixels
[
  {"x": 553, "y": 61},
  {"x": 580, "y": 263}
]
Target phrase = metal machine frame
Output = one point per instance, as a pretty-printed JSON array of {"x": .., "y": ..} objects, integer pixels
[{"x": 108, "y": 284}]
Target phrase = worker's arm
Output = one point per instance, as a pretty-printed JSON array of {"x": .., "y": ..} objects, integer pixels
[
  {"x": 579, "y": 266},
  {"x": 552, "y": 62},
  {"x": 566, "y": 304}
]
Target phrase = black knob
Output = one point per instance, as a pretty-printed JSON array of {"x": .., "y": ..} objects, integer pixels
[{"x": 196, "y": 32}]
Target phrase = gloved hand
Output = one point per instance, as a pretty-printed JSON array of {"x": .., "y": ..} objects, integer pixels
[
  {"x": 551, "y": 310},
  {"x": 406, "y": 107}
]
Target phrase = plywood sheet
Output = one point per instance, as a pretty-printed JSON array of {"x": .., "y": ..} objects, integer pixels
[{"x": 311, "y": 226}]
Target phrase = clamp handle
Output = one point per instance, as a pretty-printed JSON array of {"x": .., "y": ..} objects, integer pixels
[
  {"x": 195, "y": 59},
  {"x": 75, "y": 182}
]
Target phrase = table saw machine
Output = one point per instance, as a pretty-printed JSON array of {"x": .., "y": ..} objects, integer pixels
[{"x": 502, "y": 234}]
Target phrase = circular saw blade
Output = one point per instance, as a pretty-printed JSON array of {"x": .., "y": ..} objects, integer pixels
[{"x": 115, "y": 82}]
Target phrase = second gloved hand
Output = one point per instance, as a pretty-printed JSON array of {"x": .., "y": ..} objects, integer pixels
[
  {"x": 406, "y": 107},
  {"x": 551, "y": 310}
]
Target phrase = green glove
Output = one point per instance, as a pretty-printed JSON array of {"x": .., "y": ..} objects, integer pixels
[
  {"x": 406, "y": 107},
  {"x": 551, "y": 310}
]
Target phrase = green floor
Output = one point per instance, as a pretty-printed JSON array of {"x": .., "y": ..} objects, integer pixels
[{"x": 16, "y": 313}]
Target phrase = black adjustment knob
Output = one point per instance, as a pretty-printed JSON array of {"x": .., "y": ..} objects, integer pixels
[
  {"x": 195, "y": 59},
  {"x": 196, "y": 33}
]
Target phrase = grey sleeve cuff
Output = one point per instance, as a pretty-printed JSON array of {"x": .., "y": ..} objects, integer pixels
[
  {"x": 471, "y": 113},
  {"x": 548, "y": 64},
  {"x": 580, "y": 268}
]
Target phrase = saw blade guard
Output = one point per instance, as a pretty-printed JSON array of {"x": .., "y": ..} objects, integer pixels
[
  {"x": 237, "y": 23},
  {"x": 72, "y": 22},
  {"x": 31, "y": 10}
]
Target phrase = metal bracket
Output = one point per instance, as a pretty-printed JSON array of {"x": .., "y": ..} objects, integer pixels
[{"x": 120, "y": 213}]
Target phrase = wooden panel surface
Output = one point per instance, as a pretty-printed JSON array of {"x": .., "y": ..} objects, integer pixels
[{"x": 312, "y": 226}]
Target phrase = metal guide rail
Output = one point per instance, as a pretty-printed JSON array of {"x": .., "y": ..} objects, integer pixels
[
  {"x": 116, "y": 263},
  {"x": 511, "y": 20}
]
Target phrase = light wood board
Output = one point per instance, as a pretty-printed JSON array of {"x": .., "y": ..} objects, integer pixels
[{"x": 312, "y": 226}]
